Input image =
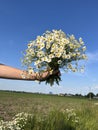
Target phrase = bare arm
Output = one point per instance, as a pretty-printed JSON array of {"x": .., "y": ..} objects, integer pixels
[{"x": 8, "y": 72}]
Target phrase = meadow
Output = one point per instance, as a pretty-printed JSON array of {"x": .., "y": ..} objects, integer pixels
[{"x": 51, "y": 110}]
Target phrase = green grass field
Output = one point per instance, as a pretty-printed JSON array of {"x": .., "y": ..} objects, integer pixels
[{"x": 12, "y": 103}]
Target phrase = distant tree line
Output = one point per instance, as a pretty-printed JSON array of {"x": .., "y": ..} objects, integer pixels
[{"x": 89, "y": 95}]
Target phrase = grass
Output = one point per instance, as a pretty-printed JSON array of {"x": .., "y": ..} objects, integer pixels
[{"x": 50, "y": 108}]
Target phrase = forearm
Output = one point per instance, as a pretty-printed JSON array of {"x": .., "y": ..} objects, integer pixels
[{"x": 8, "y": 72}]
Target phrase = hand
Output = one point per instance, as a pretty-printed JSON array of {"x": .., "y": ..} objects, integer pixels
[{"x": 45, "y": 75}]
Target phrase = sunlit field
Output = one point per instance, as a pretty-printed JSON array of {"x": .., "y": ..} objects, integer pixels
[{"x": 51, "y": 110}]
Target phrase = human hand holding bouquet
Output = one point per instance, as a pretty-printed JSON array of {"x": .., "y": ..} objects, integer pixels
[{"x": 52, "y": 51}]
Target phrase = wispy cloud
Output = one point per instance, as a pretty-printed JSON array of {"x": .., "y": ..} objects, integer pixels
[
  {"x": 92, "y": 57},
  {"x": 95, "y": 87}
]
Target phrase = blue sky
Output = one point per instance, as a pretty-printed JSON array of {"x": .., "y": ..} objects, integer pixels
[{"x": 22, "y": 20}]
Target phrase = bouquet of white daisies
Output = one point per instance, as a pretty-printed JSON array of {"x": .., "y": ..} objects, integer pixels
[{"x": 54, "y": 50}]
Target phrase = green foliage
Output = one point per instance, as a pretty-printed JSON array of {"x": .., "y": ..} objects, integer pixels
[
  {"x": 54, "y": 121},
  {"x": 49, "y": 112},
  {"x": 57, "y": 120},
  {"x": 31, "y": 123},
  {"x": 90, "y": 95},
  {"x": 53, "y": 79}
]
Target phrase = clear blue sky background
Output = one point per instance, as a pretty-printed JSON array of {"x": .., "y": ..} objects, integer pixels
[{"x": 22, "y": 20}]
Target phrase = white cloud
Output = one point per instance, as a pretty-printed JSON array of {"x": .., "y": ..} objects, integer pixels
[
  {"x": 95, "y": 87},
  {"x": 92, "y": 57}
]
